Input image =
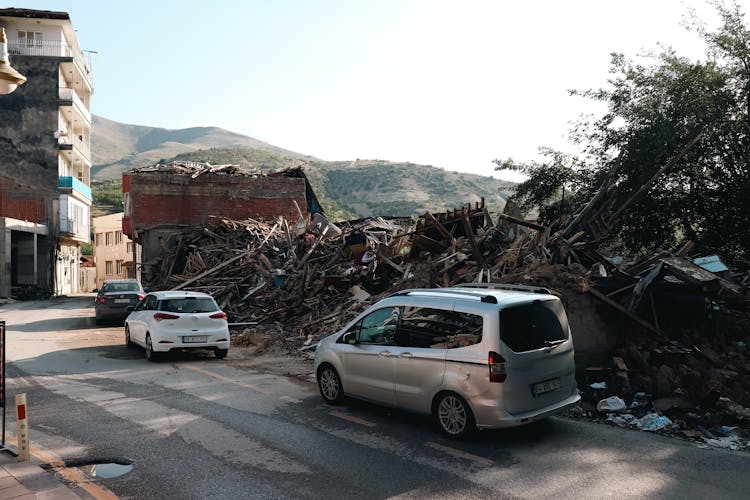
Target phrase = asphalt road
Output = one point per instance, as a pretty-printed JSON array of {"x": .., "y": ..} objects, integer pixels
[{"x": 197, "y": 427}]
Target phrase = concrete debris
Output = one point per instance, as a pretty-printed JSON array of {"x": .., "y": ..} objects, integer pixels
[{"x": 661, "y": 334}]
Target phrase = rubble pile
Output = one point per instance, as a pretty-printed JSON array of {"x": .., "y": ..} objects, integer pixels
[{"x": 680, "y": 362}]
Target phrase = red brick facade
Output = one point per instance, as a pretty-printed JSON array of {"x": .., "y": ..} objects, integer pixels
[
  {"x": 158, "y": 199},
  {"x": 22, "y": 206}
]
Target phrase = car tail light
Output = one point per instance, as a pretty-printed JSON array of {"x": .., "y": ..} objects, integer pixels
[
  {"x": 140, "y": 296},
  {"x": 100, "y": 299},
  {"x": 497, "y": 368},
  {"x": 160, "y": 316},
  {"x": 219, "y": 315}
]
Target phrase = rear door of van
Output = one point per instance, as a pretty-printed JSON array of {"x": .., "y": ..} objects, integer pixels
[{"x": 537, "y": 346}]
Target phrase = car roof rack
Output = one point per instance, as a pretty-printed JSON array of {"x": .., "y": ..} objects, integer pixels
[
  {"x": 489, "y": 299},
  {"x": 505, "y": 286}
]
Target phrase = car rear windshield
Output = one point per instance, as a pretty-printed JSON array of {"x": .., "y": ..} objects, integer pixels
[
  {"x": 121, "y": 287},
  {"x": 188, "y": 305},
  {"x": 533, "y": 326}
]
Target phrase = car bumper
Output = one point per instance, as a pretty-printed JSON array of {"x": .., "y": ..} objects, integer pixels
[
  {"x": 176, "y": 341},
  {"x": 112, "y": 313},
  {"x": 493, "y": 416}
]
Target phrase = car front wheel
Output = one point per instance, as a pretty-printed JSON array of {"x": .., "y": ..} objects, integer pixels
[
  {"x": 453, "y": 416},
  {"x": 329, "y": 383}
]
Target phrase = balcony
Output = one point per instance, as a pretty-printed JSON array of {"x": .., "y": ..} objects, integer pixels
[
  {"x": 77, "y": 145},
  {"x": 74, "y": 219},
  {"x": 53, "y": 48},
  {"x": 69, "y": 98},
  {"x": 73, "y": 185}
]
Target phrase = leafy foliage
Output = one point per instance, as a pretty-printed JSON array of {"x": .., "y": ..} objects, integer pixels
[
  {"x": 107, "y": 197},
  {"x": 654, "y": 111}
]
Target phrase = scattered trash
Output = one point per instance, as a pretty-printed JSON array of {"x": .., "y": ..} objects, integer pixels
[
  {"x": 640, "y": 401},
  {"x": 730, "y": 443},
  {"x": 623, "y": 419},
  {"x": 598, "y": 385},
  {"x": 653, "y": 422},
  {"x": 612, "y": 404}
]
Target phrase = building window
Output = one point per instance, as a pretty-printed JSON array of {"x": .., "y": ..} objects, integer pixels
[
  {"x": 110, "y": 238},
  {"x": 119, "y": 267},
  {"x": 108, "y": 268},
  {"x": 30, "y": 39},
  {"x": 129, "y": 247},
  {"x": 118, "y": 237},
  {"x": 98, "y": 238}
]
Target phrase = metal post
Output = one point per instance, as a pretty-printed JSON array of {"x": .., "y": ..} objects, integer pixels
[{"x": 2, "y": 376}]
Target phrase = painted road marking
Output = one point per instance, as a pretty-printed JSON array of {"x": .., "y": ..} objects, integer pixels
[
  {"x": 71, "y": 474},
  {"x": 459, "y": 453},
  {"x": 231, "y": 381},
  {"x": 351, "y": 418}
]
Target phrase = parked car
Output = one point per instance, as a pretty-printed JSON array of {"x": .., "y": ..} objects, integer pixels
[
  {"x": 177, "y": 320},
  {"x": 474, "y": 357},
  {"x": 114, "y": 297}
]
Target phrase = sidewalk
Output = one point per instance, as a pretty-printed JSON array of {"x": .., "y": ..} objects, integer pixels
[{"x": 29, "y": 481}]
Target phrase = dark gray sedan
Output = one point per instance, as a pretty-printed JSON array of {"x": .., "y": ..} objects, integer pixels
[{"x": 114, "y": 298}]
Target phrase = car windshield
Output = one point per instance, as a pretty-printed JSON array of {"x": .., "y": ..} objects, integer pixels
[
  {"x": 121, "y": 287},
  {"x": 188, "y": 305}
]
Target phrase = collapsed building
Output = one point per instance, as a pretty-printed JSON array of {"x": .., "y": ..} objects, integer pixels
[
  {"x": 665, "y": 334},
  {"x": 162, "y": 201}
]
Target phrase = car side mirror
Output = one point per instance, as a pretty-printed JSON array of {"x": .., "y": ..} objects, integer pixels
[
  {"x": 95, "y": 290},
  {"x": 130, "y": 308},
  {"x": 350, "y": 338}
]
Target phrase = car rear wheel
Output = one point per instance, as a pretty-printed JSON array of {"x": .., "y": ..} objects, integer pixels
[
  {"x": 453, "y": 416},
  {"x": 221, "y": 353},
  {"x": 128, "y": 342},
  {"x": 150, "y": 354},
  {"x": 329, "y": 383}
]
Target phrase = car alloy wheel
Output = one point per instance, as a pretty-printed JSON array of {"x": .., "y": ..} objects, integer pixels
[
  {"x": 150, "y": 354},
  {"x": 128, "y": 342},
  {"x": 330, "y": 385},
  {"x": 454, "y": 416}
]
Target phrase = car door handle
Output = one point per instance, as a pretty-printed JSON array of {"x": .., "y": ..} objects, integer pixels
[
  {"x": 406, "y": 355},
  {"x": 385, "y": 354}
]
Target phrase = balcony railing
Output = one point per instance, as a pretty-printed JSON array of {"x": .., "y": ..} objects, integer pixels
[
  {"x": 76, "y": 140},
  {"x": 76, "y": 185},
  {"x": 68, "y": 94},
  {"x": 54, "y": 48},
  {"x": 74, "y": 219}
]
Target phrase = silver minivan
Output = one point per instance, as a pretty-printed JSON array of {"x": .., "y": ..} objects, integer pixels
[{"x": 473, "y": 356}]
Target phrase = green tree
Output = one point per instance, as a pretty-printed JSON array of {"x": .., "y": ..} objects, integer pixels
[{"x": 654, "y": 111}]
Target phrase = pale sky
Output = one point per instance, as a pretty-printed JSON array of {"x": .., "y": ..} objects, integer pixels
[{"x": 453, "y": 84}]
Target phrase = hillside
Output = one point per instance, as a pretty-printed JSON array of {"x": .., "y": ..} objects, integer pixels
[
  {"x": 346, "y": 189},
  {"x": 118, "y": 147},
  {"x": 364, "y": 188}
]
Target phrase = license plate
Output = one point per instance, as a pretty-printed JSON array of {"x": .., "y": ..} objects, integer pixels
[
  {"x": 547, "y": 386},
  {"x": 122, "y": 301},
  {"x": 194, "y": 339}
]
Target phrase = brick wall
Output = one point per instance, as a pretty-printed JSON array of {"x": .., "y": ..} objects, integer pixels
[{"x": 158, "y": 198}]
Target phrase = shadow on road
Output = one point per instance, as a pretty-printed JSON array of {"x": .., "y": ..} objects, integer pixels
[
  {"x": 53, "y": 325},
  {"x": 103, "y": 358}
]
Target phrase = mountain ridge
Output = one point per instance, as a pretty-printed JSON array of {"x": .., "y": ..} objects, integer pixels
[{"x": 346, "y": 189}]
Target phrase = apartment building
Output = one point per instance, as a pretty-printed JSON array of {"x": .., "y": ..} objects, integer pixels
[
  {"x": 45, "y": 164},
  {"x": 113, "y": 250}
]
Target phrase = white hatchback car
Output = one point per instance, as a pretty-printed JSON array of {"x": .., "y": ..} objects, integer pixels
[
  {"x": 176, "y": 320},
  {"x": 476, "y": 356}
]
